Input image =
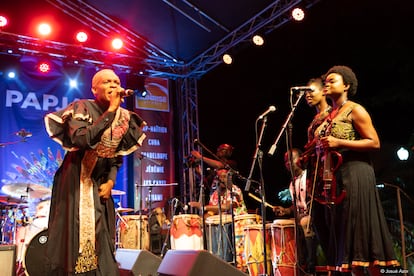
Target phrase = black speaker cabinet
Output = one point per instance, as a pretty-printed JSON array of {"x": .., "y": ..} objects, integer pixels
[
  {"x": 137, "y": 262},
  {"x": 195, "y": 263},
  {"x": 8, "y": 260}
]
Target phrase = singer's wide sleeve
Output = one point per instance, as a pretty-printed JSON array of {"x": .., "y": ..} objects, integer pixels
[{"x": 134, "y": 137}]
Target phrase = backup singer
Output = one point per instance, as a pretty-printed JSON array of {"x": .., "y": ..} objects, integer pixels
[
  {"x": 359, "y": 238},
  {"x": 96, "y": 134}
]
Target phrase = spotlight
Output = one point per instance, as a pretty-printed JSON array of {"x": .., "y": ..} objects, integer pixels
[
  {"x": 11, "y": 75},
  {"x": 227, "y": 59},
  {"x": 403, "y": 154},
  {"x": 144, "y": 93},
  {"x": 298, "y": 14},
  {"x": 44, "y": 29},
  {"x": 44, "y": 67},
  {"x": 3, "y": 21},
  {"x": 73, "y": 84},
  {"x": 81, "y": 37},
  {"x": 117, "y": 43},
  {"x": 258, "y": 40}
]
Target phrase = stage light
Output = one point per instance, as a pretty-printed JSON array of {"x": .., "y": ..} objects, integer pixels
[
  {"x": 298, "y": 14},
  {"x": 81, "y": 37},
  {"x": 44, "y": 29},
  {"x": 44, "y": 67},
  {"x": 144, "y": 93},
  {"x": 227, "y": 59},
  {"x": 403, "y": 154},
  {"x": 117, "y": 43},
  {"x": 73, "y": 84},
  {"x": 3, "y": 21},
  {"x": 11, "y": 75},
  {"x": 258, "y": 40}
]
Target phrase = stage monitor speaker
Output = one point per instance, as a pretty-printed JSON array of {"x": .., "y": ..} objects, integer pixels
[
  {"x": 8, "y": 260},
  {"x": 195, "y": 263},
  {"x": 137, "y": 262}
]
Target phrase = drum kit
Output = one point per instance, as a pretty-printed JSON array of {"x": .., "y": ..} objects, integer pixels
[
  {"x": 239, "y": 240},
  {"x": 24, "y": 215}
]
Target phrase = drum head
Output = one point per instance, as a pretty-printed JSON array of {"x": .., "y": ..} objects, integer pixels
[{"x": 36, "y": 255}]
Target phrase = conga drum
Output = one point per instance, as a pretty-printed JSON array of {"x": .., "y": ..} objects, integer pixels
[
  {"x": 134, "y": 232},
  {"x": 254, "y": 240},
  {"x": 220, "y": 236},
  {"x": 283, "y": 247},
  {"x": 240, "y": 221},
  {"x": 186, "y": 232}
]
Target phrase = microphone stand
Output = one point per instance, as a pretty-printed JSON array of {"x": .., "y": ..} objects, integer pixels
[
  {"x": 258, "y": 156},
  {"x": 233, "y": 227},
  {"x": 273, "y": 147},
  {"x": 220, "y": 243},
  {"x": 202, "y": 201},
  {"x": 139, "y": 192}
]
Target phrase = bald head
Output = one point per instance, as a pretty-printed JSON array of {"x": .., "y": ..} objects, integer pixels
[{"x": 101, "y": 76}]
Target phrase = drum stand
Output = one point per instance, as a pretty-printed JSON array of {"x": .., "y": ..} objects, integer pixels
[
  {"x": 222, "y": 232},
  {"x": 120, "y": 219},
  {"x": 149, "y": 199},
  {"x": 164, "y": 245}
]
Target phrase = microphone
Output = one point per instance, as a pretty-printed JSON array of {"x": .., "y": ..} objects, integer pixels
[
  {"x": 127, "y": 92},
  {"x": 196, "y": 142},
  {"x": 302, "y": 89},
  {"x": 270, "y": 109}
]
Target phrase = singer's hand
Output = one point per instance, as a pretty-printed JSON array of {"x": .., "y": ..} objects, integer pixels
[
  {"x": 105, "y": 189},
  {"x": 115, "y": 99}
]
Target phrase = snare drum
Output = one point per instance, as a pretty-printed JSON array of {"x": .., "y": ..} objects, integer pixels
[
  {"x": 134, "y": 232},
  {"x": 254, "y": 250},
  {"x": 220, "y": 237},
  {"x": 240, "y": 221},
  {"x": 283, "y": 247},
  {"x": 186, "y": 232},
  {"x": 36, "y": 255}
]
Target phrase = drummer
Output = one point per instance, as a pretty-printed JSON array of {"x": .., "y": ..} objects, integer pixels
[{"x": 229, "y": 193}]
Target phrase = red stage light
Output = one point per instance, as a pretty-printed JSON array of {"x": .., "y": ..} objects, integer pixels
[
  {"x": 3, "y": 21},
  {"x": 44, "y": 29},
  {"x": 117, "y": 43},
  {"x": 44, "y": 67},
  {"x": 81, "y": 37}
]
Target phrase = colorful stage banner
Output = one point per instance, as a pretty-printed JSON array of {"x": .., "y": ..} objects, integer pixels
[{"x": 29, "y": 156}]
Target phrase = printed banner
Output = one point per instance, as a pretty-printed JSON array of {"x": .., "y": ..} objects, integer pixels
[{"x": 29, "y": 156}]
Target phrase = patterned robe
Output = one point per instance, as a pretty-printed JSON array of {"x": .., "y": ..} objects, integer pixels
[{"x": 81, "y": 230}]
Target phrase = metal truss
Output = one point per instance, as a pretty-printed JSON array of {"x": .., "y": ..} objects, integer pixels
[
  {"x": 188, "y": 124},
  {"x": 146, "y": 59},
  {"x": 272, "y": 17},
  {"x": 142, "y": 56}
]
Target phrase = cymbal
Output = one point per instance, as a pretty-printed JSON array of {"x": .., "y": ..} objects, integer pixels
[
  {"x": 7, "y": 200},
  {"x": 117, "y": 192},
  {"x": 158, "y": 185},
  {"x": 26, "y": 190},
  {"x": 124, "y": 210}
]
